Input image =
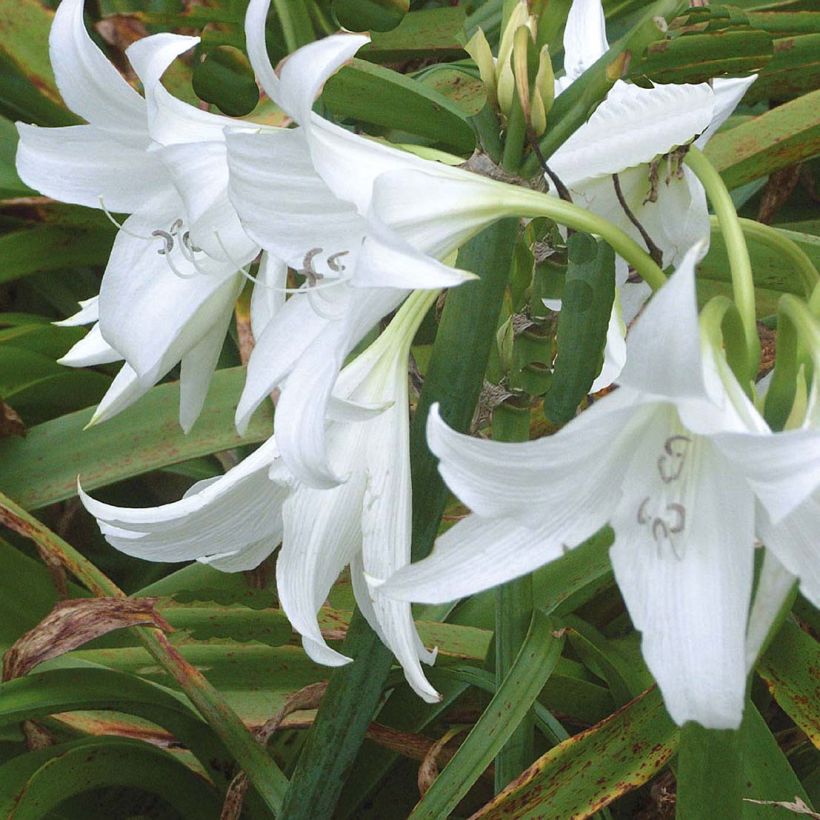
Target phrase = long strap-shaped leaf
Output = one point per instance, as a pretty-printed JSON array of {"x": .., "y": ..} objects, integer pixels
[
  {"x": 513, "y": 699},
  {"x": 261, "y": 769}
]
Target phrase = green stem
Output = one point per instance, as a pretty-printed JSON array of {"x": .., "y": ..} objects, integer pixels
[
  {"x": 740, "y": 264},
  {"x": 513, "y": 613},
  {"x": 262, "y": 771},
  {"x": 721, "y": 321},
  {"x": 454, "y": 378},
  {"x": 514, "y": 201},
  {"x": 515, "y": 138},
  {"x": 775, "y": 240},
  {"x": 710, "y": 774}
]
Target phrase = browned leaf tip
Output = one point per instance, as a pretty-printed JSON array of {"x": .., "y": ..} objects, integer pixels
[
  {"x": 73, "y": 623},
  {"x": 10, "y": 423},
  {"x": 429, "y": 769}
]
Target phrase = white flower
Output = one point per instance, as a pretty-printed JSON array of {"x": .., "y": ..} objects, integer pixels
[
  {"x": 675, "y": 460},
  {"x": 632, "y": 133},
  {"x": 233, "y": 522},
  {"x": 172, "y": 279}
]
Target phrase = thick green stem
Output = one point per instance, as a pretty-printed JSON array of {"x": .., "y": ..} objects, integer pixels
[
  {"x": 262, "y": 771},
  {"x": 454, "y": 379},
  {"x": 740, "y": 264},
  {"x": 513, "y": 613},
  {"x": 710, "y": 774},
  {"x": 774, "y": 239}
]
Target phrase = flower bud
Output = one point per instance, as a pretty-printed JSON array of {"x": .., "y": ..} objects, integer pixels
[
  {"x": 544, "y": 95},
  {"x": 479, "y": 49}
]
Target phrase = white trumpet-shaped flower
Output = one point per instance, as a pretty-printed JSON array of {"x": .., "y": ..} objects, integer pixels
[
  {"x": 172, "y": 278},
  {"x": 676, "y": 460},
  {"x": 634, "y": 133},
  {"x": 233, "y": 522}
]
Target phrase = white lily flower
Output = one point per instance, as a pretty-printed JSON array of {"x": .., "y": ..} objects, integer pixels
[
  {"x": 634, "y": 133},
  {"x": 172, "y": 279},
  {"x": 676, "y": 461},
  {"x": 235, "y": 521}
]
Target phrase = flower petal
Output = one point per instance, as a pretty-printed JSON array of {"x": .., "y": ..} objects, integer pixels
[
  {"x": 90, "y": 350},
  {"x": 322, "y": 533},
  {"x": 614, "y": 351},
  {"x": 88, "y": 313},
  {"x": 663, "y": 347},
  {"x": 268, "y": 296},
  {"x": 232, "y": 512},
  {"x": 584, "y": 37},
  {"x": 522, "y": 480},
  {"x": 683, "y": 559},
  {"x": 245, "y": 559},
  {"x": 387, "y": 524},
  {"x": 782, "y": 468},
  {"x": 90, "y": 85},
  {"x": 284, "y": 204},
  {"x": 81, "y": 163},
  {"x": 633, "y": 125},
  {"x": 256, "y": 23},
  {"x": 794, "y": 541},
  {"x": 171, "y": 120},
  {"x": 773, "y": 586},
  {"x": 124, "y": 391},
  {"x": 728, "y": 92}
]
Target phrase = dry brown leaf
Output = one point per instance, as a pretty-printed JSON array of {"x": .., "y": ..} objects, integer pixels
[
  {"x": 307, "y": 698},
  {"x": 73, "y": 623},
  {"x": 797, "y": 807},
  {"x": 429, "y": 769}
]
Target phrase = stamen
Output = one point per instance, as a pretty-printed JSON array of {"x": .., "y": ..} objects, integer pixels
[
  {"x": 333, "y": 261},
  {"x": 168, "y": 239},
  {"x": 118, "y": 225}
]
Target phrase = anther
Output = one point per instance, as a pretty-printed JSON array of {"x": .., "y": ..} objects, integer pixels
[
  {"x": 168, "y": 240},
  {"x": 333, "y": 261}
]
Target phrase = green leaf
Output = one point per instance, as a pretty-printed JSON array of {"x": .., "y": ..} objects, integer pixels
[
  {"x": 363, "y": 15},
  {"x": 789, "y": 668},
  {"x": 533, "y": 665},
  {"x": 591, "y": 769},
  {"x": 377, "y": 95},
  {"x": 51, "y": 247},
  {"x": 82, "y": 766},
  {"x": 777, "y": 139},
  {"x": 43, "y": 467},
  {"x": 81, "y": 689},
  {"x": 582, "y": 325},
  {"x": 10, "y": 184},
  {"x": 432, "y": 34},
  {"x": 27, "y": 87},
  {"x": 794, "y": 69}
]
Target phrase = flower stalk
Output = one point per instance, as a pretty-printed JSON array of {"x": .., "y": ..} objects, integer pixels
[{"x": 740, "y": 263}]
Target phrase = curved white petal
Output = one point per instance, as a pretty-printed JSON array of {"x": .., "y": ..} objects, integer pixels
[
  {"x": 584, "y": 37},
  {"x": 773, "y": 587},
  {"x": 268, "y": 296},
  {"x": 88, "y": 313},
  {"x": 92, "y": 349},
  {"x": 322, "y": 533},
  {"x": 303, "y": 74},
  {"x": 475, "y": 554},
  {"x": 88, "y": 82},
  {"x": 614, "y": 351},
  {"x": 255, "y": 28},
  {"x": 197, "y": 366},
  {"x": 782, "y": 468},
  {"x": 728, "y": 92},
  {"x": 124, "y": 391},
  {"x": 387, "y": 524},
  {"x": 171, "y": 120},
  {"x": 228, "y": 514},
  {"x": 594, "y": 445},
  {"x": 242, "y": 560},
  {"x": 794, "y": 541},
  {"x": 81, "y": 163},
  {"x": 663, "y": 347},
  {"x": 683, "y": 559},
  {"x": 633, "y": 125},
  {"x": 284, "y": 204}
]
